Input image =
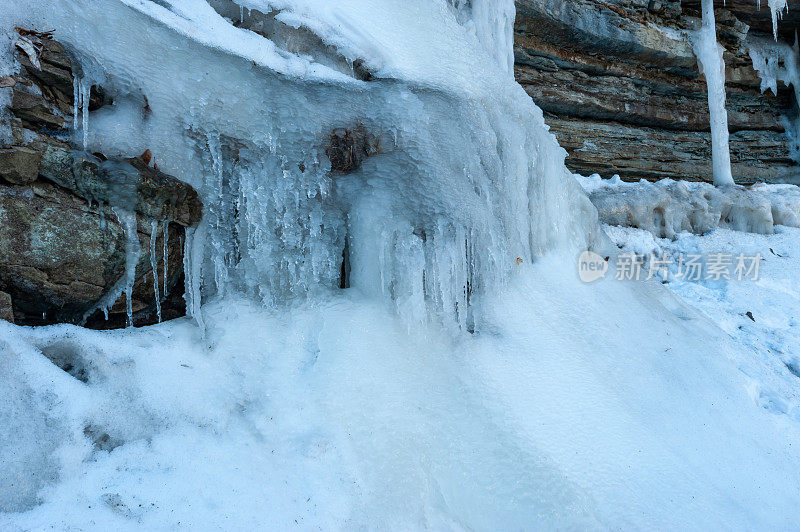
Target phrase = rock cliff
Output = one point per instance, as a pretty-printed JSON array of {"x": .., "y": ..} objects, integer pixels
[
  {"x": 621, "y": 90},
  {"x": 62, "y": 241}
]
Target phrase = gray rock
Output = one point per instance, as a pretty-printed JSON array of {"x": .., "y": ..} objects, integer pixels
[
  {"x": 127, "y": 183},
  {"x": 19, "y": 165},
  {"x": 59, "y": 255}
]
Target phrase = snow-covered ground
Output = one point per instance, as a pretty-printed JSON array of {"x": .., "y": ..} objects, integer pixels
[
  {"x": 770, "y": 334},
  {"x": 579, "y": 405}
]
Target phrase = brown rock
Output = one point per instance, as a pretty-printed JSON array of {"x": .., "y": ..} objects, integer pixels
[
  {"x": 623, "y": 96},
  {"x": 348, "y": 147},
  {"x": 59, "y": 255},
  {"x": 6, "y": 309},
  {"x": 19, "y": 165}
]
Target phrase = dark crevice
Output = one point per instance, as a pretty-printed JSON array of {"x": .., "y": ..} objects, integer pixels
[{"x": 344, "y": 277}]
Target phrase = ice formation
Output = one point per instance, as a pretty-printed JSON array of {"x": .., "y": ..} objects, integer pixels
[
  {"x": 709, "y": 58},
  {"x": 277, "y": 218},
  {"x": 289, "y": 402},
  {"x": 668, "y": 207},
  {"x": 154, "y": 266},
  {"x": 776, "y": 8},
  {"x": 776, "y": 62}
]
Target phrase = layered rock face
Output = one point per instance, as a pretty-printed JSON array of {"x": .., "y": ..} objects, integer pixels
[
  {"x": 63, "y": 243},
  {"x": 620, "y": 86}
]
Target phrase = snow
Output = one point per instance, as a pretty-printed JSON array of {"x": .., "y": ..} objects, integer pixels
[
  {"x": 337, "y": 416},
  {"x": 466, "y": 378},
  {"x": 709, "y": 58},
  {"x": 771, "y": 337},
  {"x": 667, "y": 207}
]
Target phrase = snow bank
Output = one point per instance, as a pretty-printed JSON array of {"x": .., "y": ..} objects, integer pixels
[
  {"x": 667, "y": 207},
  {"x": 337, "y": 417},
  {"x": 759, "y": 313}
]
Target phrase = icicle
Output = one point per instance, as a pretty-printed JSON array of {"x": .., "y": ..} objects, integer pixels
[
  {"x": 76, "y": 102},
  {"x": 124, "y": 285},
  {"x": 709, "y": 57},
  {"x": 166, "y": 255},
  {"x": 776, "y": 8},
  {"x": 193, "y": 253},
  {"x": 132, "y": 250},
  {"x": 241, "y": 14},
  {"x": 188, "y": 289},
  {"x": 154, "y": 267},
  {"x": 85, "y": 89},
  {"x": 217, "y": 210},
  {"x": 776, "y": 62}
]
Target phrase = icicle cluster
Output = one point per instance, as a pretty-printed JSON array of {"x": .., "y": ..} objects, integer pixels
[
  {"x": 468, "y": 184},
  {"x": 775, "y": 62}
]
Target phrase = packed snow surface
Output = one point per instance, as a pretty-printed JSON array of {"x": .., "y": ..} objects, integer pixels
[{"x": 466, "y": 379}]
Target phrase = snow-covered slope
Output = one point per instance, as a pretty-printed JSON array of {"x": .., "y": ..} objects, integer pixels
[{"x": 465, "y": 380}]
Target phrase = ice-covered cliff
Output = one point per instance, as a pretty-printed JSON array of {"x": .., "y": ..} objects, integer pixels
[{"x": 387, "y": 325}]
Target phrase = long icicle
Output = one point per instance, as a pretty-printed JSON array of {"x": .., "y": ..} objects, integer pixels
[
  {"x": 76, "y": 102},
  {"x": 85, "y": 89},
  {"x": 166, "y": 255},
  {"x": 709, "y": 57},
  {"x": 132, "y": 251},
  {"x": 154, "y": 267}
]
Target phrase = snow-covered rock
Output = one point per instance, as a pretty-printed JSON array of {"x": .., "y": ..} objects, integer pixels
[{"x": 667, "y": 207}]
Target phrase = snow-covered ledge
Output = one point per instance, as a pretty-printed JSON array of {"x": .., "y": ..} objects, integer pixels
[{"x": 668, "y": 207}]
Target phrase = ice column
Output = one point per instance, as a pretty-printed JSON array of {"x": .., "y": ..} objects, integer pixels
[{"x": 709, "y": 57}]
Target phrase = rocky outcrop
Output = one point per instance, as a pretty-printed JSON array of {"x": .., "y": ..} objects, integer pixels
[
  {"x": 127, "y": 183},
  {"x": 347, "y": 148},
  {"x": 59, "y": 255},
  {"x": 62, "y": 241},
  {"x": 621, "y": 89}
]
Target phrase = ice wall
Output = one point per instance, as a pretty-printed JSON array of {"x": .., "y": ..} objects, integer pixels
[{"x": 468, "y": 182}]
